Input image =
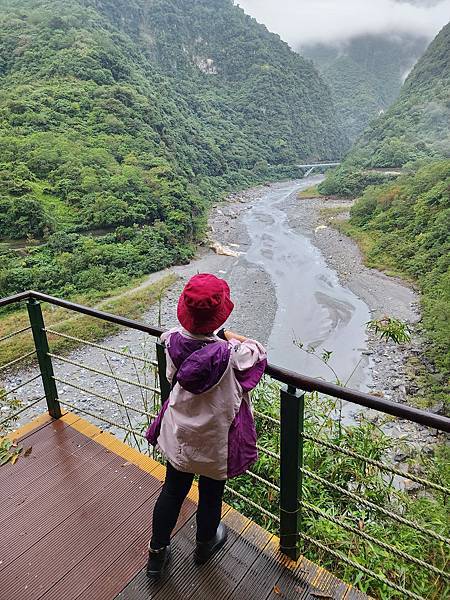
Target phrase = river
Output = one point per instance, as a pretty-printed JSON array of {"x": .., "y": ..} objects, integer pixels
[
  {"x": 283, "y": 289},
  {"x": 313, "y": 308}
]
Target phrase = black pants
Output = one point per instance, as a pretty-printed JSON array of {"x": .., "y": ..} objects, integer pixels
[{"x": 167, "y": 508}]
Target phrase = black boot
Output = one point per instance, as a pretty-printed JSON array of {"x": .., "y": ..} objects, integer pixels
[
  {"x": 157, "y": 561},
  {"x": 204, "y": 550}
]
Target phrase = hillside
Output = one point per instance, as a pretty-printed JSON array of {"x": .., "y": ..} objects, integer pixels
[
  {"x": 121, "y": 120},
  {"x": 365, "y": 74},
  {"x": 405, "y": 225},
  {"x": 417, "y": 125}
]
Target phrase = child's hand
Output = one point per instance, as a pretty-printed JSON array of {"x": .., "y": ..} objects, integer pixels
[{"x": 229, "y": 335}]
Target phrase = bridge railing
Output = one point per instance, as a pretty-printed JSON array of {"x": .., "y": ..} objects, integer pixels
[{"x": 352, "y": 481}]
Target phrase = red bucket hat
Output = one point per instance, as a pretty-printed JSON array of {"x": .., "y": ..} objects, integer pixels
[{"x": 204, "y": 304}]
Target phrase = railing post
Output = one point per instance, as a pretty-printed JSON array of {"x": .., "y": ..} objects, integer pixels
[
  {"x": 44, "y": 360},
  {"x": 291, "y": 462},
  {"x": 164, "y": 384}
]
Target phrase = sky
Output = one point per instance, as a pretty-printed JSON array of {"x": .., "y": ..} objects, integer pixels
[{"x": 303, "y": 22}]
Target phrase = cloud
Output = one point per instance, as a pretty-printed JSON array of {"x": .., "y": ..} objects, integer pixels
[{"x": 302, "y": 22}]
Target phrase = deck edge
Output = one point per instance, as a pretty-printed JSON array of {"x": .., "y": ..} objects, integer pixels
[{"x": 30, "y": 427}]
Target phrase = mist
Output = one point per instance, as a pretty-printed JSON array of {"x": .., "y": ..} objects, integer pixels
[{"x": 304, "y": 22}]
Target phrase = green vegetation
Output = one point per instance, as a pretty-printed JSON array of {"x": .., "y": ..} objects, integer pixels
[
  {"x": 131, "y": 304},
  {"x": 120, "y": 121},
  {"x": 8, "y": 451},
  {"x": 427, "y": 508},
  {"x": 408, "y": 224},
  {"x": 365, "y": 74},
  {"x": 416, "y": 126},
  {"x": 331, "y": 516},
  {"x": 311, "y": 192},
  {"x": 340, "y": 519},
  {"x": 349, "y": 182},
  {"x": 402, "y": 225}
]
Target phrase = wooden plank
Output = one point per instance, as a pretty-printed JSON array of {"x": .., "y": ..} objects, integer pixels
[
  {"x": 181, "y": 576},
  {"x": 295, "y": 579},
  {"x": 143, "y": 461},
  {"x": 55, "y": 554},
  {"x": 28, "y": 525},
  {"x": 261, "y": 575},
  {"x": 45, "y": 441},
  {"x": 193, "y": 577},
  {"x": 178, "y": 576},
  {"x": 182, "y": 549},
  {"x": 354, "y": 594},
  {"x": 25, "y": 430},
  {"x": 76, "y": 525},
  {"x": 107, "y": 585},
  {"x": 326, "y": 583},
  {"x": 111, "y": 549},
  {"x": 232, "y": 566},
  {"x": 63, "y": 475},
  {"x": 307, "y": 581},
  {"x": 34, "y": 467}
]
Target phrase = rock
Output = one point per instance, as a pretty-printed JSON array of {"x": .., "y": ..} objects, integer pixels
[
  {"x": 411, "y": 486},
  {"x": 437, "y": 408},
  {"x": 412, "y": 389},
  {"x": 223, "y": 250},
  {"x": 400, "y": 456}
]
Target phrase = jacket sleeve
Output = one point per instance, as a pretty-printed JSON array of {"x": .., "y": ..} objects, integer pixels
[
  {"x": 249, "y": 361},
  {"x": 154, "y": 430},
  {"x": 170, "y": 367}
]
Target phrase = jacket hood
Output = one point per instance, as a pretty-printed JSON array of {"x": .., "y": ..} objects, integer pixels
[{"x": 200, "y": 363}]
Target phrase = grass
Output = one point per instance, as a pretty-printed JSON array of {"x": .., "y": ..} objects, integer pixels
[
  {"x": 131, "y": 304},
  {"x": 366, "y": 241},
  {"x": 311, "y": 192},
  {"x": 65, "y": 215},
  {"x": 335, "y": 216}
]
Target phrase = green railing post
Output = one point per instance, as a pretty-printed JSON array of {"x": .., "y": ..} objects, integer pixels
[
  {"x": 44, "y": 360},
  {"x": 291, "y": 462},
  {"x": 164, "y": 384}
]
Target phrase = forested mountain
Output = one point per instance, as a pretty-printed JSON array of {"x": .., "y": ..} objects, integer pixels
[
  {"x": 417, "y": 125},
  {"x": 127, "y": 115},
  {"x": 365, "y": 74}
]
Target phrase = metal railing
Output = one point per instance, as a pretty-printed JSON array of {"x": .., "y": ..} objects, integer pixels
[{"x": 310, "y": 481}]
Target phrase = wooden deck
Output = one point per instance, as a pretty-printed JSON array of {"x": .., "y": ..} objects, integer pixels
[{"x": 75, "y": 519}]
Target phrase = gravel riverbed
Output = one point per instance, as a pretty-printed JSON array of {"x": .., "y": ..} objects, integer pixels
[{"x": 256, "y": 305}]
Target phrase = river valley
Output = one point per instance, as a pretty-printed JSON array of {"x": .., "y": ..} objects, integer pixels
[{"x": 292, "y": 279}]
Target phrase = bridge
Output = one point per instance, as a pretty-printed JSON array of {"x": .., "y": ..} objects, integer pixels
[
  {"x": 312, "y": 166},
  {"x": 319, "y": 506}
]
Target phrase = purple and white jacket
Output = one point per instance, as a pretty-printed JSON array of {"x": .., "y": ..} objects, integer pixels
[{"x": 206, "y": 425}]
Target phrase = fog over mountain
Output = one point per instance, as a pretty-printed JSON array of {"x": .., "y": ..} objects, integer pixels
[{"x": 303, "y": 22}]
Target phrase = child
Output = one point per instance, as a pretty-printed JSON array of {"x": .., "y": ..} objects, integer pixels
[{"x": 206, "y": 426}]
